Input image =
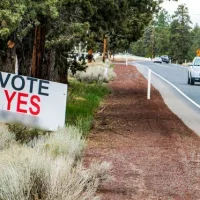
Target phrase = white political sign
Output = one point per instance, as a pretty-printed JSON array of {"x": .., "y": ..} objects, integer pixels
[{"x": 33, "y": 102}]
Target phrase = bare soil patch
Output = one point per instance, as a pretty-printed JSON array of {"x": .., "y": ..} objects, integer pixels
[{"x": 153, "y": 154}]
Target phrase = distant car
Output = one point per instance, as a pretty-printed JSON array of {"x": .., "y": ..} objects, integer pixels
[
  {"x": 194, "y": 71},
  {"x": 165, "y": 58},
  {"x": 157, "y": 60}
]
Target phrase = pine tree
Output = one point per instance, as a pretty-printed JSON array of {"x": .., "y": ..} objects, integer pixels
[{"x": 180, "y": 36}]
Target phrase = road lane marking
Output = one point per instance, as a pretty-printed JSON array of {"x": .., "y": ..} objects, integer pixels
[{"x": 183, "y": 94}]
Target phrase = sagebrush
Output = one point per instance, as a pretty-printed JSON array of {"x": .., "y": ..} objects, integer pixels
[{"x": 50, "y": 168}]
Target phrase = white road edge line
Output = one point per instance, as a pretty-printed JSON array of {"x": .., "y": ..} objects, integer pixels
[{"x": 188, "y": 98}]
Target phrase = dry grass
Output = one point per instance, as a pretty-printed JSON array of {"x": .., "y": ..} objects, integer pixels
[
  {"x": 50, "y": 168},
  {"x": 6, "y": 137},
  {"x": 65, "y": 142},
  {"x": 97, "y": 72}
]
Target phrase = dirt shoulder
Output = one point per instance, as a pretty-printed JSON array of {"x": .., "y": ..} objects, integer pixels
[{"x": 153, "y": 154}]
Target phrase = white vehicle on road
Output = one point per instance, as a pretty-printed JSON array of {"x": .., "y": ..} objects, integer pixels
[
  {"x": 194, "y": 71},
  {"x": 157, "y": 60}
]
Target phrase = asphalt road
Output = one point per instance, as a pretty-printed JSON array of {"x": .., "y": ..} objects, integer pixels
[{"x": 177, "y": 75}]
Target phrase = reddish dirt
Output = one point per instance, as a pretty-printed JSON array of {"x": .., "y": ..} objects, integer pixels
[{"x": 153, "y": 154}]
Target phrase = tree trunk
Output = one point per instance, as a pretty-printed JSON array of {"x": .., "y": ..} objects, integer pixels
[
  {"x": 104, "y": 48},
  {"x": 38, "y": 51},
  {"x": 51, "y": 65},
  {"x": 63, "y": 78}
]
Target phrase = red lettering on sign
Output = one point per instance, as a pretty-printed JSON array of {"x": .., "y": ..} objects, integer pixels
[
  {"x": 21, "y": 102},
  {"x": 9, "y": 98},
  {"x": 35, "y": 104}
]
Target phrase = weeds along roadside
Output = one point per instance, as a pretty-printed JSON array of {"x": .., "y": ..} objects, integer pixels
[
  {"x": 49, "y": 166},
  {"x": 85, "y": 94},
  {"x": 83, "y": 100}
]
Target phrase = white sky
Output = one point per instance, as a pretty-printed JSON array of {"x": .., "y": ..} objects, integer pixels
[{"x": 193, "y": 8}]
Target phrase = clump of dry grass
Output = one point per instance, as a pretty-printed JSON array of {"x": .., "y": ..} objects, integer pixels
[
  {"x": 6, "y": 137},
  {"x": 47, "y": 169},
  {"x": 65, "y": 142},
  {"x": 96, "y": 72}
]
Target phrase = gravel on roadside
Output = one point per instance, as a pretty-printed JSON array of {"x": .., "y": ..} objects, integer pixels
[{"x": 153, "y": 153}]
